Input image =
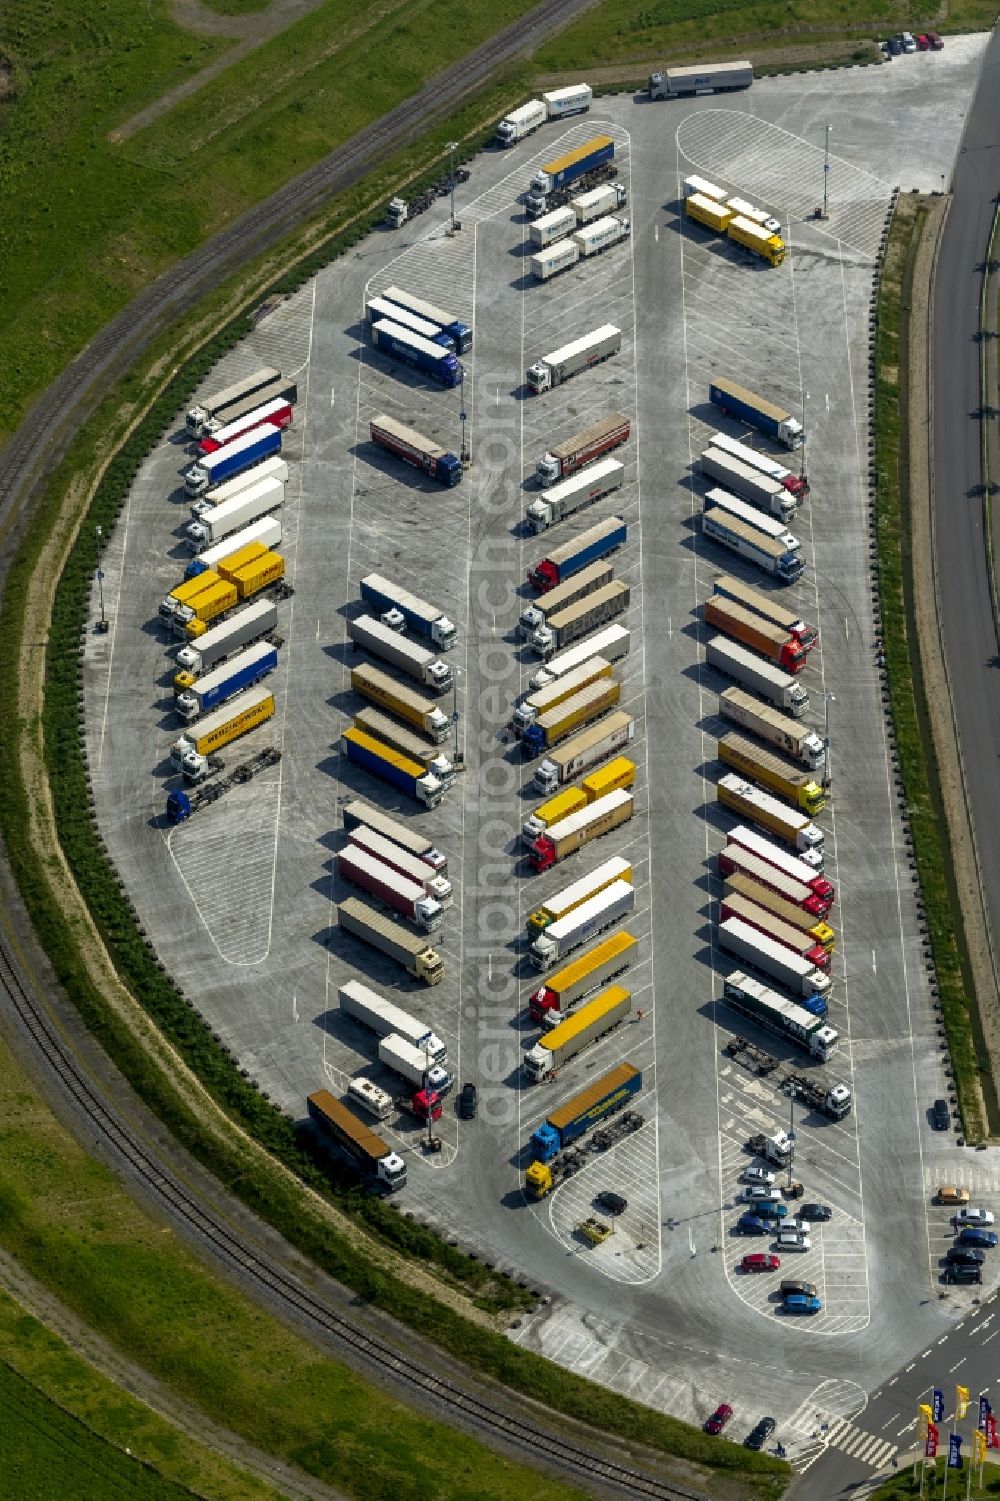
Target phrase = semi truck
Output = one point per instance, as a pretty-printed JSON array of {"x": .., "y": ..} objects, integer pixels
[
  {"x": 700, "y": 78},
  {"x": 238, "y": 511},
  {"x": 601, "y": 234},
  {"x": 241, "y": 582},
  {"x": 359, "y": 814},
  {"x": 590, "y": 1021},
  {"x": 573, "y": 99},
  {"x": 768, "y": 608},
  {"x": 583, "y": 923},
  {"x": 411, "y": 777},
  {"x": 220, "y": 403},
  {"x": 564, "y": 459},
  {"x": 763, "y": 894},
  {"x": 572, "y": 494},
  {"x": 214, "y": 598},
  {"x": 384, "y": 1018},
  {"x": 410, "y": 866},
  {"x": 281, "y": 389},
  {"x": 578, "y": 165},
  {"x": 413, "y": 448},
  {"x": 761, "y": 216},
  {"x": 416, "y": 661},
  {"x": 737, "y": 862},
  {"x": 735, "y": 793},
  {"x": 777, "y": 1014},
  {"x": 777, "y": 687},
  {"x": 572, "y": 833},
  {"x": 534, "y": 705},
  {"x": 261, "y": 443},
  {"x": 419, "y": 353},
  {"x": 590, "y": 703},
  {"x": 692, "y": 185},
  {"x": 381, "y": 881},
  {"x": 242, "y": 671},
  {"x": 797, "y": 485},
  {"x": 239, "y": 716},
  {"x": 411, "y": 1064},
  {"x": 423, "y": 713},
  {"x": 404, "y": 609},
  {"x": 411, "y": 950},
  {"x": 561, "y": 903},
  {"x": 584, "y": 750},
  {"x": 521, "y": 122},
  {"x": 612, "y": 644},
  {"x": 596, "y": 542},
  {"x": 772, "y": 959},
  {"x": 566, "y": 626},
  {"x": 216, "y": 645},
  {"x": 750, "y": 543},
  {"x": 460, "y": 332},
  {"x": 575, "y": 588},
  {"x": 378, "y": 308},
  {"x": 781, "y": 649},
  {"x": 799, "y": 869},
  {"x": 747, "y": 482},
  {"x": 381, "y": 727},
  {"x": 759, "y": 241},
  {"x": 776, "y": 421},
  {"x": 273, "y": 468},
  {"x": 277, "y": 411},
  {"x": 618, "y": 775},
  {"x": 606, "y": 1095},
  {"x": 184, "y": 593},
  {"x": 554, "y": 258},
  {"x": 551, "y": 228},
  {"x": 742, "y": 510},
  {"x": 763, "y": 920},
  {"x": 551, "y": 1002},
  {"x": 582, "y": 354},
  {"x": 598, "y": 202},
  {"x": 265, "y": 533},
  {"x": 772, "y": 771},
  {"x": 708, "y": 212},
  {"x": 777, "y": 729},
  {"x": 376, "y": 1160}
]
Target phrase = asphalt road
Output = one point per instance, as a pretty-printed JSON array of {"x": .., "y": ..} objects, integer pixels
[{"x": 969, "y": 634}]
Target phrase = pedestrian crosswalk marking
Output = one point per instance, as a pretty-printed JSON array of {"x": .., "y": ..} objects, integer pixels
[{"x": 819, "y": 1433}]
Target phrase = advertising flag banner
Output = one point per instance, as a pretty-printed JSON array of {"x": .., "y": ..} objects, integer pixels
[
  {"x": 931, "y": 1443},
  {"x": 978, "y": 1447},
  {"x": 984, "y": 1409},
  {"x": 955, "y": 1451},
  {"x": 991, "y": 1432},
  {"x": 925, "y": 1412},
  {"x": 961, "y": 1402},
  {"x": 937, "y": 1404}
]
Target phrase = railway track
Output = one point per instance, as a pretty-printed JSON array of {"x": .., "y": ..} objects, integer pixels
[{"x": 293, "y": 1299}]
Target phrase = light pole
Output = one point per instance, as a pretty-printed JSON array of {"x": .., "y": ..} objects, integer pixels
[
  {"x": 102, "y": 624},
  {"x": 802, "y": 455},
  {"x": 455, "y": 675},
  {"x": 452, "y": 147},
  {"x": 462, "y": 415},
  {"x": 828, "y": 699},
  {"x": 791, "y": 1130},
  {"x": 826, "y": 174}
]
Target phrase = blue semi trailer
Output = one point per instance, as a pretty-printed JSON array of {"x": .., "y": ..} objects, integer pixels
[
  {"x": 400, "y": 344},
  {"x": 777, "y": 422},
  {"x": 593, "y": 544},
  {"x": 212, "y": 468}
]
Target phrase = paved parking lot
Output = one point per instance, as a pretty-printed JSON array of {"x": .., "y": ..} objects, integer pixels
[{"x": 240, "y": 901}]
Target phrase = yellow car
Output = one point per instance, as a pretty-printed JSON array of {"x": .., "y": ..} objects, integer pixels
[{"x": 947, "y": 1194}]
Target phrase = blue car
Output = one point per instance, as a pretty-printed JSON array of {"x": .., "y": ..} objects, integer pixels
[
  {"x": 974, "y": 1236},
  {"x": 777, "y": 1211},
  {"x": 754, "y": 1224},
  {"x": 801, "y": 1303}
]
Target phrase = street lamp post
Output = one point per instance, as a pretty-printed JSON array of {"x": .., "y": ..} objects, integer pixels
[
  {"x": 826, "y": 174},
  {"x": 452, "y": 147},
  {"x": 456, "y": 674},
  {"x": 802, "y": 455},
  {"x": 100, "y": 576},
  {"x": 462, "y": 415},
  {"x": 791, "y": 1130},
  {"x": 828, "y": 699}
]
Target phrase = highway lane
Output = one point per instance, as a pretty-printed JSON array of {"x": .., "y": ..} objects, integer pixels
[{"x": 970, "y": 639}]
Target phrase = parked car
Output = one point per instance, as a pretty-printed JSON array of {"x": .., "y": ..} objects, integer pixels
[
  {"x": 921, "y": 40},
  {"x": 759, "y": 1194},
  {"x": 760, "y": 1261},
  {"x": 791, "y": 1285},
  {"x": 958, "y": 1271},
  {"x": 975, "y": 1235},
  {"x": 949, "y": 1194},
  {"x": 818, "y": 1212},
  {"x": 801, "y": 1303},
  {"x": 965, "y": 1256},
  {"x": 759, "y": 1434},
  {"x": 969, "y": 1216},
  {"x": 612, "y": 1202},
  {"x": 941, "y": 1115},
  {"x": 719, "y": 1418},
  {"x": 909, "y": 45},
  {"x": 762, "y": 1176},
  {"x": 895, "y": 45},
  {"x": 793, "y": 1240},
  {"x": 468, "y": 1102},
  {"x": 934, "y": 41},
  {"x": 755, "y": 1224}
]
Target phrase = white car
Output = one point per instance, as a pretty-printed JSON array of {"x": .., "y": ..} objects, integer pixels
[
  {"x": 909, "y": 42},
  {"x": 761, "y": 1195},
  {"x": 969, "y": 1216},
  {"x": 792, "y": 1240},
  {"x": 759, "y": 1175}
]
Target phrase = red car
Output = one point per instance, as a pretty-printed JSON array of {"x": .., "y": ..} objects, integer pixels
[
  {"x": 719, "y": 1418},
  {"x": 934, "y": 42},
  {"x": 922, "y": 41},
  {"x": 760, "y": 1261}
]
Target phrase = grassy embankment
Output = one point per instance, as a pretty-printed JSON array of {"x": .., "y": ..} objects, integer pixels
[
  {"x": 917, "y": 761},
  {"x": 906, "y": 1484}
]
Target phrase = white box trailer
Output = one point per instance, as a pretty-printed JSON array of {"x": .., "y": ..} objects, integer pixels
[
  {"x": 384, "y": 1017},
  {"x": 589, "y": 484},
  {"x": 567, "y": 361},
  {"x": 574, "y": 99},
  {"x": 700, "y": 78},
  {"x": 522, "y": 122},
  {"x": 612, "y": 644},
  {"x": 706, "y": 189},
  {"x": 200, "y": 655},
  {"x": 747, "y": 481},
  {"x": 552, "y": 227},
  {"x": 751, "y": 515},
  {"x": 599, "y": 201},
  {"x": 583, "y": 923},
  {"x": 272, "y": 468},
  {"x": 411, "y": 1063},
  {"x": 553, "y": 259},
  {"x": 416, "y": 661},
  {"x": 591, "y": 239},
  {"x": 266, "y": 531},
  {"x": 778, "y": 687},
  {"x": 249, "y": 505}
]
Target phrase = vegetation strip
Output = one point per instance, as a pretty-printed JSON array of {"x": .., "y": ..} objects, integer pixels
[{"x": 904, "y": 676}]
